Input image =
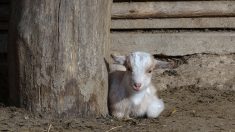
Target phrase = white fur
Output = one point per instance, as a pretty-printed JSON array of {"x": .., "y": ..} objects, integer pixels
[
  {"x": 155, "y": 108},
  {"x": 138, "y": 97},
  {"x": 124, "y": 101}
]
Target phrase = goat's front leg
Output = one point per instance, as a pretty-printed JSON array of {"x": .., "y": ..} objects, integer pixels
[
  {"x": 156, "y": 106},
  {"x": 122, "y": 109}
]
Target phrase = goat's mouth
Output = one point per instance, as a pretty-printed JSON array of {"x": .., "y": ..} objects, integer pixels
[{"x": 136, "y": 88}]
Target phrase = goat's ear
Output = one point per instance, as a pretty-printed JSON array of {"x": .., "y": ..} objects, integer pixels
[
  {"x": 163, "y": 64},
  {"x": 119, "y": 59}
]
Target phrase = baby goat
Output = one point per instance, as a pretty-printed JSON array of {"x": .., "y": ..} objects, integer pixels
[{"x": 131, "y": 93}]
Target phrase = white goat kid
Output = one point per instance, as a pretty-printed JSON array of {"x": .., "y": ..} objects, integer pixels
[{"x": 131, "y": 93}]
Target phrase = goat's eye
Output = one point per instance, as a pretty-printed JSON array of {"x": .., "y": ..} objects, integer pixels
[
  {"x": 129, "y": 69},
  {"x": 149, "y": 71}
]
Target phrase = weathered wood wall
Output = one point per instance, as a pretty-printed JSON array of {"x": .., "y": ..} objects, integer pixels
[
  {"x": 174, "y": 44},
  {"x": 173, "y": 9},
  {"x": 161, "y": 0},
  {"x": 198, "y": 35},
  {"x": 173, "y": 27},
  {"x": 174, "y": 23}
]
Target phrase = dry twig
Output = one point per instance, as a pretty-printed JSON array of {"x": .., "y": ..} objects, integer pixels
[
  {"x": 49, "y": 128},
  {"x": 113, "y": 128}
]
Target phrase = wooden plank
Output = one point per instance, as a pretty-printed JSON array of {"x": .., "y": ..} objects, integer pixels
[
  {"x": 161, "y": 0},
  {"x": 221, "y": 22},
  {"x": 174, "y": 43},
  {"x": 4, "y": 12},
  {"x": 173, "y": 9},
  {"x": 3, "y": 42}
]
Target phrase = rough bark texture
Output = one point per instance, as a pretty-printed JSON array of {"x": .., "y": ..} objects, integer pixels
[
  {"x": 173, "y": 9},
  {"x": 57, "y": 51}
]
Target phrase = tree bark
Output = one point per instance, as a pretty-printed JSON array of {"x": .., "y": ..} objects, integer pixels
[{"x": 57, "y": 50}]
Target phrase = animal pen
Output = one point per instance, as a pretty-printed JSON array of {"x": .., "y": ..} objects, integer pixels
[{"x": 53, "y": 56}]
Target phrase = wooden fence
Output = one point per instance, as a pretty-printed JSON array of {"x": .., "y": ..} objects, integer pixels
[{"x": 173, "y": 27}]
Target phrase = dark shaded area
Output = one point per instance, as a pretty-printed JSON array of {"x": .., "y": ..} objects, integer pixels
[
  {"x": 176, "y": 60},
  {"x": 3, "y": 79},
  {"x": 4, "y": 1},
  {"x": 13, "y": 71},
  {"x": 4, "y": 11},
  {"x": 4, "y": 20}
]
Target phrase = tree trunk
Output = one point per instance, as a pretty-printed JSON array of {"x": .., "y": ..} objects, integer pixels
[{"x": 57, "y": 50}]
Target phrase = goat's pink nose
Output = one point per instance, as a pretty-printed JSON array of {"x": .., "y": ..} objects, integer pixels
[{"x": 138, "y": 85}]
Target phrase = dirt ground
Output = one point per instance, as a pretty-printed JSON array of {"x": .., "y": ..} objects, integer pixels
[
  {"x": 199, "y": 96},
  {"x": 188, "y": 108}
]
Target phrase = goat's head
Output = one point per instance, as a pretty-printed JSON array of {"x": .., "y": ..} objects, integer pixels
[{"x": 139, "y": 67}]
